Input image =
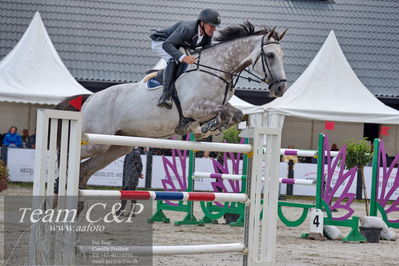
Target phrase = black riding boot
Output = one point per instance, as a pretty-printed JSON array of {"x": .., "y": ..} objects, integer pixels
[{"x": 168, "y": 78}]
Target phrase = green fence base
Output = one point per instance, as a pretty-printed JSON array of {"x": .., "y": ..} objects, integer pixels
[
  {"x": 384, "y": 216},
  {"x": 189, "y": 219},
  {"x": 213, "y": 212},
  {"x": 239, "y": 222},
  {"x": 208, "y": 220},
  {"x": 300, "y": 220},
  {"x": 354, "y": 235},
  {"x": 159, "y": 216}
]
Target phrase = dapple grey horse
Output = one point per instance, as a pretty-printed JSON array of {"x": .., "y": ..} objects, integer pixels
[{"x": 130, "y": 109}]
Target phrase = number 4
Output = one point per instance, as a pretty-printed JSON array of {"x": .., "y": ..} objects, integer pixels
[{"x": 316, "y": 221}]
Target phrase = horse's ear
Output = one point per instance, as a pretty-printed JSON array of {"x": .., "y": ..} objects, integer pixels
[
  {"x": 271, "y": 33},
  {"x": 281, "y": 36}
]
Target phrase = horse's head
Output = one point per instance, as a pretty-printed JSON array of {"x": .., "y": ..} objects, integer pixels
[{"x": 268, "y": 62}]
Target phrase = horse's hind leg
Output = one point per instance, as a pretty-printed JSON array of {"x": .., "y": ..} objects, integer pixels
[{"x": 98, "y": 162}]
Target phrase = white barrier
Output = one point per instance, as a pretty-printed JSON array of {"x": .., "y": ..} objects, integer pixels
[
  {"x": 174, "y": 250},
  {"x": 164, "y": 143},
  {"x": 260, "y": 236}
]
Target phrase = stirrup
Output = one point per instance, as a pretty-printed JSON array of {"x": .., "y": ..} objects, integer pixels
[{"x": 165, "y": 102}]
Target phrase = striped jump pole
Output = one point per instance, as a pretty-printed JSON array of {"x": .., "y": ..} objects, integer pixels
[
  {"x": 165, "y": 195},
  {"x": 304, "y": 153},
  {"x": 297, "y": 181}
]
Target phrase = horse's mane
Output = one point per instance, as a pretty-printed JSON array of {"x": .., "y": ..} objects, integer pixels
[{"x": 243, "y": 30}]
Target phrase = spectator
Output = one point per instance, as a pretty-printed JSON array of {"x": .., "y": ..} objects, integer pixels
[
  {"x": 31, "y": 141},
  {"x": 334, "y": 147},
  {"x": 287, "y": 158},
  {"x": 132, "y": 171},
  {"x": 11, "y": 140},
  {"x": 2, "y": 137},
  {"x": 205, "y": 154},
  {"x": 25, "y": 138}
]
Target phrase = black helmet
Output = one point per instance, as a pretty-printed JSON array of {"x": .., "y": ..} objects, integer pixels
[{"x": 210, "y": 16}]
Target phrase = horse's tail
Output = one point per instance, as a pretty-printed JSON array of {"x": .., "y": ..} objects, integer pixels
[{"x": 66, "y": 106}]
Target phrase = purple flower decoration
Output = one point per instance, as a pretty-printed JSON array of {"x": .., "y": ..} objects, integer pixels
[
  {"x": 219, "y": 185},
  {"x": 383, "y": 195},
  {"x": 328, "y": 190},
  {"x": 171, "y": 169}
]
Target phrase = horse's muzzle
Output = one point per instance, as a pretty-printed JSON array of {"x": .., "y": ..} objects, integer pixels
[{"x": 277, "y": 88}]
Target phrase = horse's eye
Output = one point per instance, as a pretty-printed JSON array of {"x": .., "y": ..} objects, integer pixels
[{"x": 270, "y": 55}]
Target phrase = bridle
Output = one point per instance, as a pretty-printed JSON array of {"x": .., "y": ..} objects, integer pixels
[
  {"x": 265, "y": 64},
  {"x": 231, "y": 84}
]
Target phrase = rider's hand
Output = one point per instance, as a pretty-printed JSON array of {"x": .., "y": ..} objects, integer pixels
[{"x": 189, "y": 59}]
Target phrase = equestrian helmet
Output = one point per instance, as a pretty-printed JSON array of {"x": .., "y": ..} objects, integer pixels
[{"x": 210, "y": 16}]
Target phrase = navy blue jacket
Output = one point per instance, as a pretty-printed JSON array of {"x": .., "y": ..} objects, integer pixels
[{"x": 182, "y": 34}]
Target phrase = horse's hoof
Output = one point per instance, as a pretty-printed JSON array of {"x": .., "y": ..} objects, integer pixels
[
  {"x": 204, "y": 130},
  {"x": 165, "y": 105},
  {"x": 180, "y": 131}
]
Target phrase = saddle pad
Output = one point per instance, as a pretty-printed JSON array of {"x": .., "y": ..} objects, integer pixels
[{"x": 153, "y": 84}]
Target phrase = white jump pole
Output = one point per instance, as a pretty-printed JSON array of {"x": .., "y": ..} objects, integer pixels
[
  {"x": 164, "y": 143},
  {"x": 172, "y": 250}
]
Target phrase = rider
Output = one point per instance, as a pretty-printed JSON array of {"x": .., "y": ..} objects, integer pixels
[{"x": 186, "y": 34}]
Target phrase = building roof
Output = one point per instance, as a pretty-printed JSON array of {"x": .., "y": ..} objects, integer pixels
[{"x": 107, "y": 40}]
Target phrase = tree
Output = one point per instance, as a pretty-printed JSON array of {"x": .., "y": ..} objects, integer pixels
[{"x": 359, "y": 154}]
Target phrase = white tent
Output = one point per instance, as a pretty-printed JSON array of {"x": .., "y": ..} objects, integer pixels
[
  {"x": 328, "y": 90},
  {"x": 33, "y": 73},
  {"x": 244, "y": 106}
]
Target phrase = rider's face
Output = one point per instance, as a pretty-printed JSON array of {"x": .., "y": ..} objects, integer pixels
[{"x": 209, "y": 29}]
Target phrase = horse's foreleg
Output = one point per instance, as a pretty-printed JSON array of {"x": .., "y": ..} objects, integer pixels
[
  {"x": 223, "y": 116},
  {"x": 236, "y": 116},
  {"x": 216, "y": 115},
  {"x": 98, "y": 162}
]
